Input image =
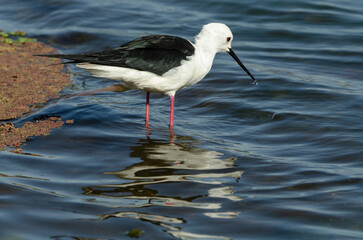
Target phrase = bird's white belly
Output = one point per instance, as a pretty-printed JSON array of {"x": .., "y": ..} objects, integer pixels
[
  {"x": 189, "y": 72},
  {"x": 133, "y": 78}
]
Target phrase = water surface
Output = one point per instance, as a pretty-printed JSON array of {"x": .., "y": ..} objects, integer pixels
[{"x": 277, "y": 160}]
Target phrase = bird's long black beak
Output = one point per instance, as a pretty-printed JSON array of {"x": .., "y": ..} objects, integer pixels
[{"x": 231, "y": 52}]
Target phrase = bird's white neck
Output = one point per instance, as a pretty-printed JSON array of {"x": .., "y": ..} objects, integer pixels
[
  {"x": 205, "y": 52},
  {"x": 206, "y": 43}
]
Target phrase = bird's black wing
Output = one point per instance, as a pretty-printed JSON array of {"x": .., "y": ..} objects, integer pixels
[{"x": 155, "y": 53}]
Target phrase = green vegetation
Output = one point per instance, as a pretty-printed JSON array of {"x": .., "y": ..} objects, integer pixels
[
  {"x": 135, "y": 233},
  {"x": 17, "y": 37}
]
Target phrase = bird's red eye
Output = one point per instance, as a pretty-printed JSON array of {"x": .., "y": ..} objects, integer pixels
[{"x": 228, "y": 39}]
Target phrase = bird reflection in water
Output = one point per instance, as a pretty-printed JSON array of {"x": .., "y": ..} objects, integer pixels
[{"x": 177, "y": 176}]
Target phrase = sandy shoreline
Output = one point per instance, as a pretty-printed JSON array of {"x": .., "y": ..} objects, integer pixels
[{"x": 25, "y": 81}]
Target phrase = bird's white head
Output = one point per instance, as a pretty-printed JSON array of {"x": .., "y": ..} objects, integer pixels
[{"x": 216, "y": 35}]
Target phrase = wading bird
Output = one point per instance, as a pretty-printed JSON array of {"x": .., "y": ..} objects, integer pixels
[{"x": 160, "y": 63}]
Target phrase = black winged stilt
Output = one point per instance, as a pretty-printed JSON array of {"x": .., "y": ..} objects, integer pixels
[{"x": 160, "y": 63}]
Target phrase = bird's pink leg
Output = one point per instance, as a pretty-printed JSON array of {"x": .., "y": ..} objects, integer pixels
[
  {"x": 171, "y": 125},
  {"x": 147, "y": 109}
]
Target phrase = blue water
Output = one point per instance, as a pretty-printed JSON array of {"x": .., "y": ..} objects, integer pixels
[{"x": 277, "y": 160}]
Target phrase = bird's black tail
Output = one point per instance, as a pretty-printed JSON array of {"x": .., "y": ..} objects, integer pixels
[{"x": 61, "y": 56}]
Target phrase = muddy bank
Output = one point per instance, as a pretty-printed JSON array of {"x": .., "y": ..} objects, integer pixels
[{"x": 26, "y": 81}]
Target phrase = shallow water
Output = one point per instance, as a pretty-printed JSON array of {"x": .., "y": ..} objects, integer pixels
[{"x": 277, "y": 160}]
